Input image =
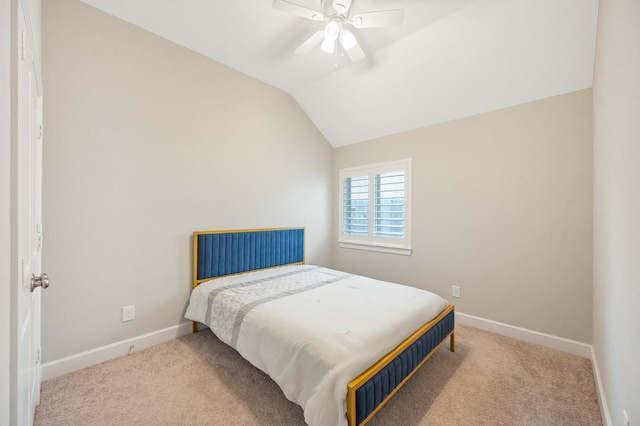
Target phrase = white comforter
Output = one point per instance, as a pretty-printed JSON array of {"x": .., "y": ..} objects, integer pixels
[{"x": 312, "y": 329}]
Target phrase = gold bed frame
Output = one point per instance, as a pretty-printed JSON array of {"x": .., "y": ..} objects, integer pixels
[{"x": 356, "y": 383}]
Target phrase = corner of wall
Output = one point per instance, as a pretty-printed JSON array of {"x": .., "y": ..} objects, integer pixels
[{"x": 602, "y": 399}]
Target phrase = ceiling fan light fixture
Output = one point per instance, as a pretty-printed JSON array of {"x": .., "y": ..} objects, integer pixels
[
  {"x": 348, "y": 40},
  {"x": 328, "y": 45},
  {"x": 332, "y": 30}
]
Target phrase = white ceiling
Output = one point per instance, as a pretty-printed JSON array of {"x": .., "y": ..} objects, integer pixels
[{"x": 449, "y": 59}]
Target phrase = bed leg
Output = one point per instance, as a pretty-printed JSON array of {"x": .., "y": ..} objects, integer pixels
[{"x": 452, "y": 341}]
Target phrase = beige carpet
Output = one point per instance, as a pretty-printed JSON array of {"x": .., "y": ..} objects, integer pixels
[{"x": 198, "y": 380}]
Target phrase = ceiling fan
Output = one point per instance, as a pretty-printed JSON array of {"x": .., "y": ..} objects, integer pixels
[{"x": 336, "y": 33}]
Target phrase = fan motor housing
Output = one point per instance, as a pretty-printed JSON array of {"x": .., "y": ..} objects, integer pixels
[{"x": 341, "y": 7}]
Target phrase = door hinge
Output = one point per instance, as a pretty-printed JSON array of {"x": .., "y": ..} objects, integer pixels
[
  {"x": 40, "y": 132},
  {"x": 38, "y": 236},
  {"x": 38, "y": 355},
  {"x": 23, "y": 45}
]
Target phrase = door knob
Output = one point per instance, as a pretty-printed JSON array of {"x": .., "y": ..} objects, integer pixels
[{"x": 41, "y": 281}]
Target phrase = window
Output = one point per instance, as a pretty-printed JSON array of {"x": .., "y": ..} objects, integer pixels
[{"x": 375, "y": 210}]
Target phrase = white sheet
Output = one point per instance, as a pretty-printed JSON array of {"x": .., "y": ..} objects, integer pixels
[{"x": 314, "y": 342}]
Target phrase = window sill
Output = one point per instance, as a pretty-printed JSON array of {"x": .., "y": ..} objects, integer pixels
[{"x": 404, "y": 251}]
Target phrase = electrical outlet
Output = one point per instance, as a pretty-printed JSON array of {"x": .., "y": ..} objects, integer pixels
[
  {"x": 455, "y": 291},
  {"x": 128, "y": 313}
]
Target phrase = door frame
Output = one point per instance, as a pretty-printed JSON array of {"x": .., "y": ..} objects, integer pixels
[{"x": 6, "y": 224}]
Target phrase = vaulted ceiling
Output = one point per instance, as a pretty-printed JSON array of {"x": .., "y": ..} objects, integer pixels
[{"x": 449, "y": 58}]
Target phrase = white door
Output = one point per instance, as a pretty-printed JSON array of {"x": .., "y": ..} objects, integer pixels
[{"x": 29, "y": 243}]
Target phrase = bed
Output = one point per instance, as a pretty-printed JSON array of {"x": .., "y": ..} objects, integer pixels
[{"x": 339, "y": 345}]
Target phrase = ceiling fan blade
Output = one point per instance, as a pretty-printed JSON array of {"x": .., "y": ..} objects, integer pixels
[
  {"x": 296, "y": 9},
  {"x": 310, "y": 43},
  {"x": 382, "y": 18}
]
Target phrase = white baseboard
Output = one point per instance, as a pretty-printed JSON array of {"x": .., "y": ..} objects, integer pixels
[
  {"x": 602, "y": 400},
  {"x": 565, "y": 345},
  {"x": 560, "y": 343},
  {"x": 95, "y": 356}
]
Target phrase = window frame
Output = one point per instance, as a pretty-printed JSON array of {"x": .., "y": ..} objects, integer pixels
[{"x": 370, "y": 241}]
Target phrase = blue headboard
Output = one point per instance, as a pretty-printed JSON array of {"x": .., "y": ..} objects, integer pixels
[{"x": 218, "y": 253}]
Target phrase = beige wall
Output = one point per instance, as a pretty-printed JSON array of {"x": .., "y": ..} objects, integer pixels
[
  {"x": 616, "y": 289},
  {"x": 146, "y": 142},
  {"x": 502, "y": 207}
]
